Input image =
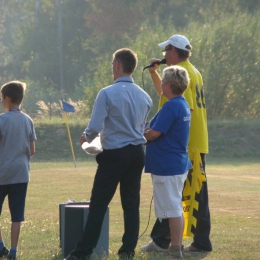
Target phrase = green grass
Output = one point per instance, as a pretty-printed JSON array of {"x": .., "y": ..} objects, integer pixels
[{"x": 234, "y": 203}]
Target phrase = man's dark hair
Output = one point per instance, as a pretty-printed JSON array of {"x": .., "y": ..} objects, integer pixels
[
  {"x": 14, "y": 90},
  {"x": 127, "y": 58},
  {"x": 182, "y": 53}
]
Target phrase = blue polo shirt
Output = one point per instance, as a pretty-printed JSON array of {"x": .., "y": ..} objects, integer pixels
[
  {"x": 119, "y": 114},
  {"x": 168, "y": 155}
]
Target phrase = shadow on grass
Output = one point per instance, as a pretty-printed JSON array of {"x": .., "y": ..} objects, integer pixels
[{"x": 141, "y": 256}]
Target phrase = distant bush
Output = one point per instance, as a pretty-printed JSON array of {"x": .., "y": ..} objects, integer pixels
[{"x": 54, "y": 109}]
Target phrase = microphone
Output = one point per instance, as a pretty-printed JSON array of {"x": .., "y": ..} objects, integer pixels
[{"x": 163, "y": 61}]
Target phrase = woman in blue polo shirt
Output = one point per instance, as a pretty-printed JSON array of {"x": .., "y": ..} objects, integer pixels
[{"x": 167, "y": 156}]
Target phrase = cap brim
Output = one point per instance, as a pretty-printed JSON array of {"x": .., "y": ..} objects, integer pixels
[{"x": 163, "y": 44}]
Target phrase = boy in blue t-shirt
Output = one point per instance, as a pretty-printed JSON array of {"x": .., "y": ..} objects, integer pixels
[
  {"x": 167, "y": 156},
  {"x": 17, "y": 146}
]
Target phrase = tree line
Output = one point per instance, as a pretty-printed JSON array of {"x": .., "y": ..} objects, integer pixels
[{"x": 224, "y": 34}]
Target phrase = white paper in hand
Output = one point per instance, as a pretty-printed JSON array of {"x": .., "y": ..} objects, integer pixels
[{"x": 94, "y": 147}]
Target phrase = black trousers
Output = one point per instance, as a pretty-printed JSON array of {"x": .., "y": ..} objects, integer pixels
[
  {"x": 161, "y": 232},
  {"x": 115, "y": 166}
]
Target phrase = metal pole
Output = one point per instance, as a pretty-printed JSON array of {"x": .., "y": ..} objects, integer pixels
[
  {"x": 50, "y": 106},
  {"x": 37, "y": 7},
  {"x": 60, "y": 48},
  {"x": 37, "y": 23}
]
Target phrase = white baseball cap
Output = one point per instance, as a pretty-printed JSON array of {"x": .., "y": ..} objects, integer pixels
[{"x": 178, "y": 41}]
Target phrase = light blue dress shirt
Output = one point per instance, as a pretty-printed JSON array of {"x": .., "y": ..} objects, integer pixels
[{"x": 119, "y": 115}]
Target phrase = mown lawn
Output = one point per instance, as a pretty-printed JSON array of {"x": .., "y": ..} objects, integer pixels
[{"x": 234, "y": 191}]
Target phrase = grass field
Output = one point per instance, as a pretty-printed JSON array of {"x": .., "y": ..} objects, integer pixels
[{"x": 234, "y": 192}]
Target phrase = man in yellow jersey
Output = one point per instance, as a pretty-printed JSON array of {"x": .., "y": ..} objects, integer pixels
[{"x": 177, "y": 50}]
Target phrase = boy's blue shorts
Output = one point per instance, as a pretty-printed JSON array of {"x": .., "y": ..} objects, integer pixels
[{"x": 16, "y": 199}]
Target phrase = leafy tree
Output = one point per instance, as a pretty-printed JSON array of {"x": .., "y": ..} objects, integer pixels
[
  {"x": 224, "y": 35},
  {"x": 36, "y": 42},
  {"x": 227, "y": 55},
  {"x": 226, "y": 52}
]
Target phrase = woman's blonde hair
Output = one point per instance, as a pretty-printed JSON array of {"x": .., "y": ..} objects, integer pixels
[{"x": 177, "y": 77}]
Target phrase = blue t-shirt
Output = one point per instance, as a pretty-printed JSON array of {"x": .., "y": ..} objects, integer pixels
[{"x": 168, "y": 155}]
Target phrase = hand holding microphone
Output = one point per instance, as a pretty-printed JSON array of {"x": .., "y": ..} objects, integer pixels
[{"x": 155, "y": 62}]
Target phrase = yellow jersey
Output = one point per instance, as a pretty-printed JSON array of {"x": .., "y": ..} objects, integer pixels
[{"x": 195, "y": 97}]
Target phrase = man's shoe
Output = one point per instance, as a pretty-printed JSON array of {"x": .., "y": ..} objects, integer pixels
[
  {"x": 4, "y": 252},
  {"x": 11, "y": 257},
  {"x": 73, "y": 257},
  {"x": 152, "y": 247},
  {"x": 193, "y": 249}
]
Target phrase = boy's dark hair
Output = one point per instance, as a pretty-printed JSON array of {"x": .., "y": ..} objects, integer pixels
[
  {"x": 182, "y": 53},
  {"x": 127, "y": 58},
  {"x": 14, "y": 90}
]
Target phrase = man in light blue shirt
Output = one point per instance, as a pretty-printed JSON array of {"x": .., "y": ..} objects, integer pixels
[{"x": 119, "y": 115}]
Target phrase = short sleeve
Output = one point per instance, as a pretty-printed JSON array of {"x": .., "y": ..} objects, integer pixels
[{"x": 164, "y": 119}]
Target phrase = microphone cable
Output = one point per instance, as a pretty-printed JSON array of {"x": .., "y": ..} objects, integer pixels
[
  {"x": 163, "y": 61},
  {"x": 148, "y": 219},
  {"x": 143, "y": 80}
]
